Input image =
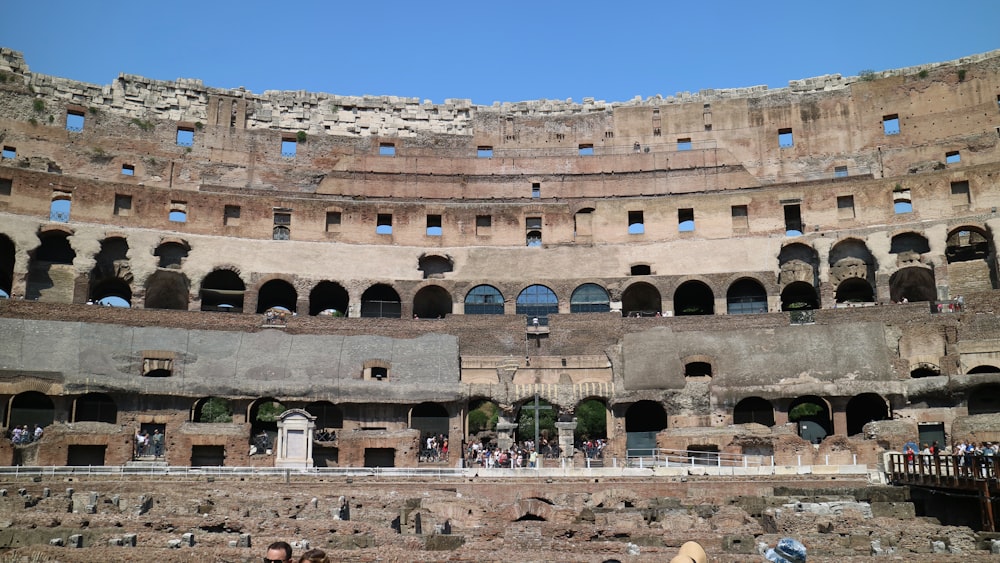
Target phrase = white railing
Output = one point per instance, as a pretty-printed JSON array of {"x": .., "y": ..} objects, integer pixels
[{"x": 650, "y": 458}]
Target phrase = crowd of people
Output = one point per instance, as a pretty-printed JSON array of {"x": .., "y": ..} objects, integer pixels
[
  {"x": 147, "y": 444},
  {"x": 22, "y": 435},
  {"x": 435, "y": 448},
  {"x": 520, "y": 454},
  {"x": 965, "y": 454}
]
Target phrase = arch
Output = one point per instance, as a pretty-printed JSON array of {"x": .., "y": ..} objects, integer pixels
[
  {"x": 754, "y": 410},
  {"x": 434, "y": 266},
  {"x": 864, "y": 408},
  {"x": 263, "y": 415},
  {"x": 51, "y": 276},
  {"x": 328, "y": 415},
  {"x": 643, "y": 420},
  {"x": 484, "y": 300},
  {"x": 547, "y": 415},
  {"x": 95, "y": 407},
  {"x": 698, "y": 369},
  {"x": 537, "y": 301},
  {"x": 855, "y": 290},
  {"x": 972, "y": 246},
  {"x": 798, "y": 262},
  {"x": 984, "y": 399},
  {"x": 694, "y": 297},
  {"x": 641, "y": 298},
  {"x": 431, "y": 419},
  {"x": 8, "y": 255},
  {"x": 171, "y": 254},
  {"x": 483, "y": 417},
  {"x": 799, "y": 296},
  {"x": 54, "y": 248},
  {"x": 813, "y": 416},
  {"x": 983, "y": 369},
  {"x": 589, "y": 298},
  {"x": 850, "y": 259},
  {"x": 212, "y": 410},
  {"x": 591, "y": 420},
  {"x": 925, "y": 370},
  {"x": 746, "y": 296},
  {"x": 381, "y": 301},
  {"x": 432, "y": 302},
  {"x": 30, "y": 408},
  {"x": 912, "y": 284},
  {"x": 276, "y": 293},
  {"x": 167, "y": 290},
  {"x": 106, "y": 291},
  {"x": 909, "y": 242},
  {"x": 222, "y": 290},
  {"x": 330, "y": 299}
]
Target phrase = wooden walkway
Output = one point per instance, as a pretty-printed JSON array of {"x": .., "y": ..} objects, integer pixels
[{"x": 975, "y": 474}]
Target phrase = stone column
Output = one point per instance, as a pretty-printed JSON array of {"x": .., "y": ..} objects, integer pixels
[
  {"x": 566, "y": 430},
  {"x": 505, "y": 433}
]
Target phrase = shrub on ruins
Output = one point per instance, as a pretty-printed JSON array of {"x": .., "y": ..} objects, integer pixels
[{"x": 300, "y": 136}]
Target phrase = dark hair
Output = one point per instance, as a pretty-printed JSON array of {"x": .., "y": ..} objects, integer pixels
[
  {"x": 282, "y": 546},
  {"x": 314, "y": 556}
]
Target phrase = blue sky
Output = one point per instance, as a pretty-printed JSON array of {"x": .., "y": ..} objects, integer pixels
[{"x": 501, "y": 51}]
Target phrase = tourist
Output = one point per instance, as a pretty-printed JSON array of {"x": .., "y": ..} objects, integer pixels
[
  {"x": 314, "y": 556},
  {"x": 38, "y": 433},
  {"x": 278, "y": 552},
  {"x": 788, "y": 550},
  {"x": 157, "y": 443}
]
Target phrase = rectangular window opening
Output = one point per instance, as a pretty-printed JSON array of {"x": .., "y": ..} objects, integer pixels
[
  {"x": 484, "y": 152},
  {"x": 433, "y": 225},
  {"x": 484, "y": 225},
  {"x": 185, "y": 136},
  {"x": 741, "y": 217},
  {"x": 845, "y": 207},
  {"x": 793, "y": 220},
  {"x": 5, "y": 186},
  {"x": 683, "y": 144},
  {"x": 901, "y": 201},
  {"x": 536, "y": 190},
  {"x": 128, "y": 170},
  {"x": 123, "y": 205},
  {"x": 840, "y": 172},
  {"x": 288, "y": 147},
  {"x": 890, "y": 124},
  {"x": 283, "y": 218},
  {"x": 8, "y": 153},
  {"x": 785, "y": 139},
  {"x": 533, "y": 228},
  {"x": 386, "y": 149},
  {"x": 333, "y": 219},
  {"x": 685, "y": 220},
  {"x": 231, "y": 215},
  {"x": 960, "y": 193},
  {"x": 61, "y": 205},
  {"x": 636, "y": 225},
  {"x": 586, "y": 150},
  {"x": 74, "y": 120},
  {"x": 952, "y": 157},
  {"x": 383, "y": 224}
]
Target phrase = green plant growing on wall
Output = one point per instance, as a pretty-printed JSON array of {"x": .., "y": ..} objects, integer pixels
[
  {"x": 143, "y": 124},
  {"x": 216, "y": 410},
  {"x": 51, "y": 118},
  {"x": 923, "y": 73},
  {"x": 961, "y": 75},
  {"x": 33, "y": 121},
  {"x": 198, "y": 125},
  {"x": 38, "y": 105},
  {"x": 867, "y": 74},
  {"x": 94, "y": 110},
  {"x": 300, "y": 136}
]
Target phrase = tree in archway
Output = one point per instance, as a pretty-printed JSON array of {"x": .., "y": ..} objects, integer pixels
[
  {"x": 484, "y": 418},
  {"x": 804, "y": 410},
  {"x": 591, "y": 420},
  {"x": 216, "y": 409},
  {"x": 526, "y": 422},
  {"x": 269, "y": 412}
]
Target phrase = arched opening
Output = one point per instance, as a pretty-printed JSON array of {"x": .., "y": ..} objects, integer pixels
[
  {"x": 694, "y": 298},
  {"x": 30, "y": 408},
  {"x": 912, "y": 284},
  {"x": 432, "y": 302},
  {"x": 111, "y": 275},
  {"x": 589, "y": 298},
  {"x": 798, "y": 262},
  {"x": 481, "y": 422},
  {"x": 641, "y": 299},
  {"x": 328, "y": 298},
  {"x": 983, "y": 369},
  {"x": 583, "y": 224},
  {"x": 855, "y": 290},
  {"x": 864, "y": 408},
  {"x": 546, "y": 416},
  {"x": 813, "y": 417},
  {"x": 381, "y": 301},
  {"x": 171, "y": 255},
  {"x": 754, "y": 410},
  {"x": 591, "y": 422},
  {"x": 213, "y": 410},
  {"x": 643, "y": 421},
  {"x": 276, "y": 293},
  {"x": 167, "y": 289},
  {"x": 970, "y": 253},
  {"x": 799, "y": 296},
  {"x": 746, "y": 297},
  {"x": 537, "y": 301},
  {"x": 984, "y": 399},
  {"x": 925, "y": 370},
  {"x": 95, "y": 407},
  {"x": 431, "y": 419},
  {"x": 697, "y": 369},
  {"x": 7, "y": 258},
  {"x": 484, "y": 300},
  {"x": 111, "y": 292},
  {"x": 435, "y": 266},
  {"x": 328, "y": 415},
  {"x": 51, "y": 277},
  {"x": 263, "y": 415},
  {"x": 909, "y": 242},
  {"x": 222, "y": 290}
]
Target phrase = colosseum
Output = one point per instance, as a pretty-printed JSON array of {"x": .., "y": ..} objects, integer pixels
[{"x": 801, "y": 278}]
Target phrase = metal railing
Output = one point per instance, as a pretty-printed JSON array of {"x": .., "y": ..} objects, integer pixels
[{"x": 658, "y": 457}]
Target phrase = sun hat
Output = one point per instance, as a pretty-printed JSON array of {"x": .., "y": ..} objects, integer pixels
[{"x": 788, "y": 550}]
